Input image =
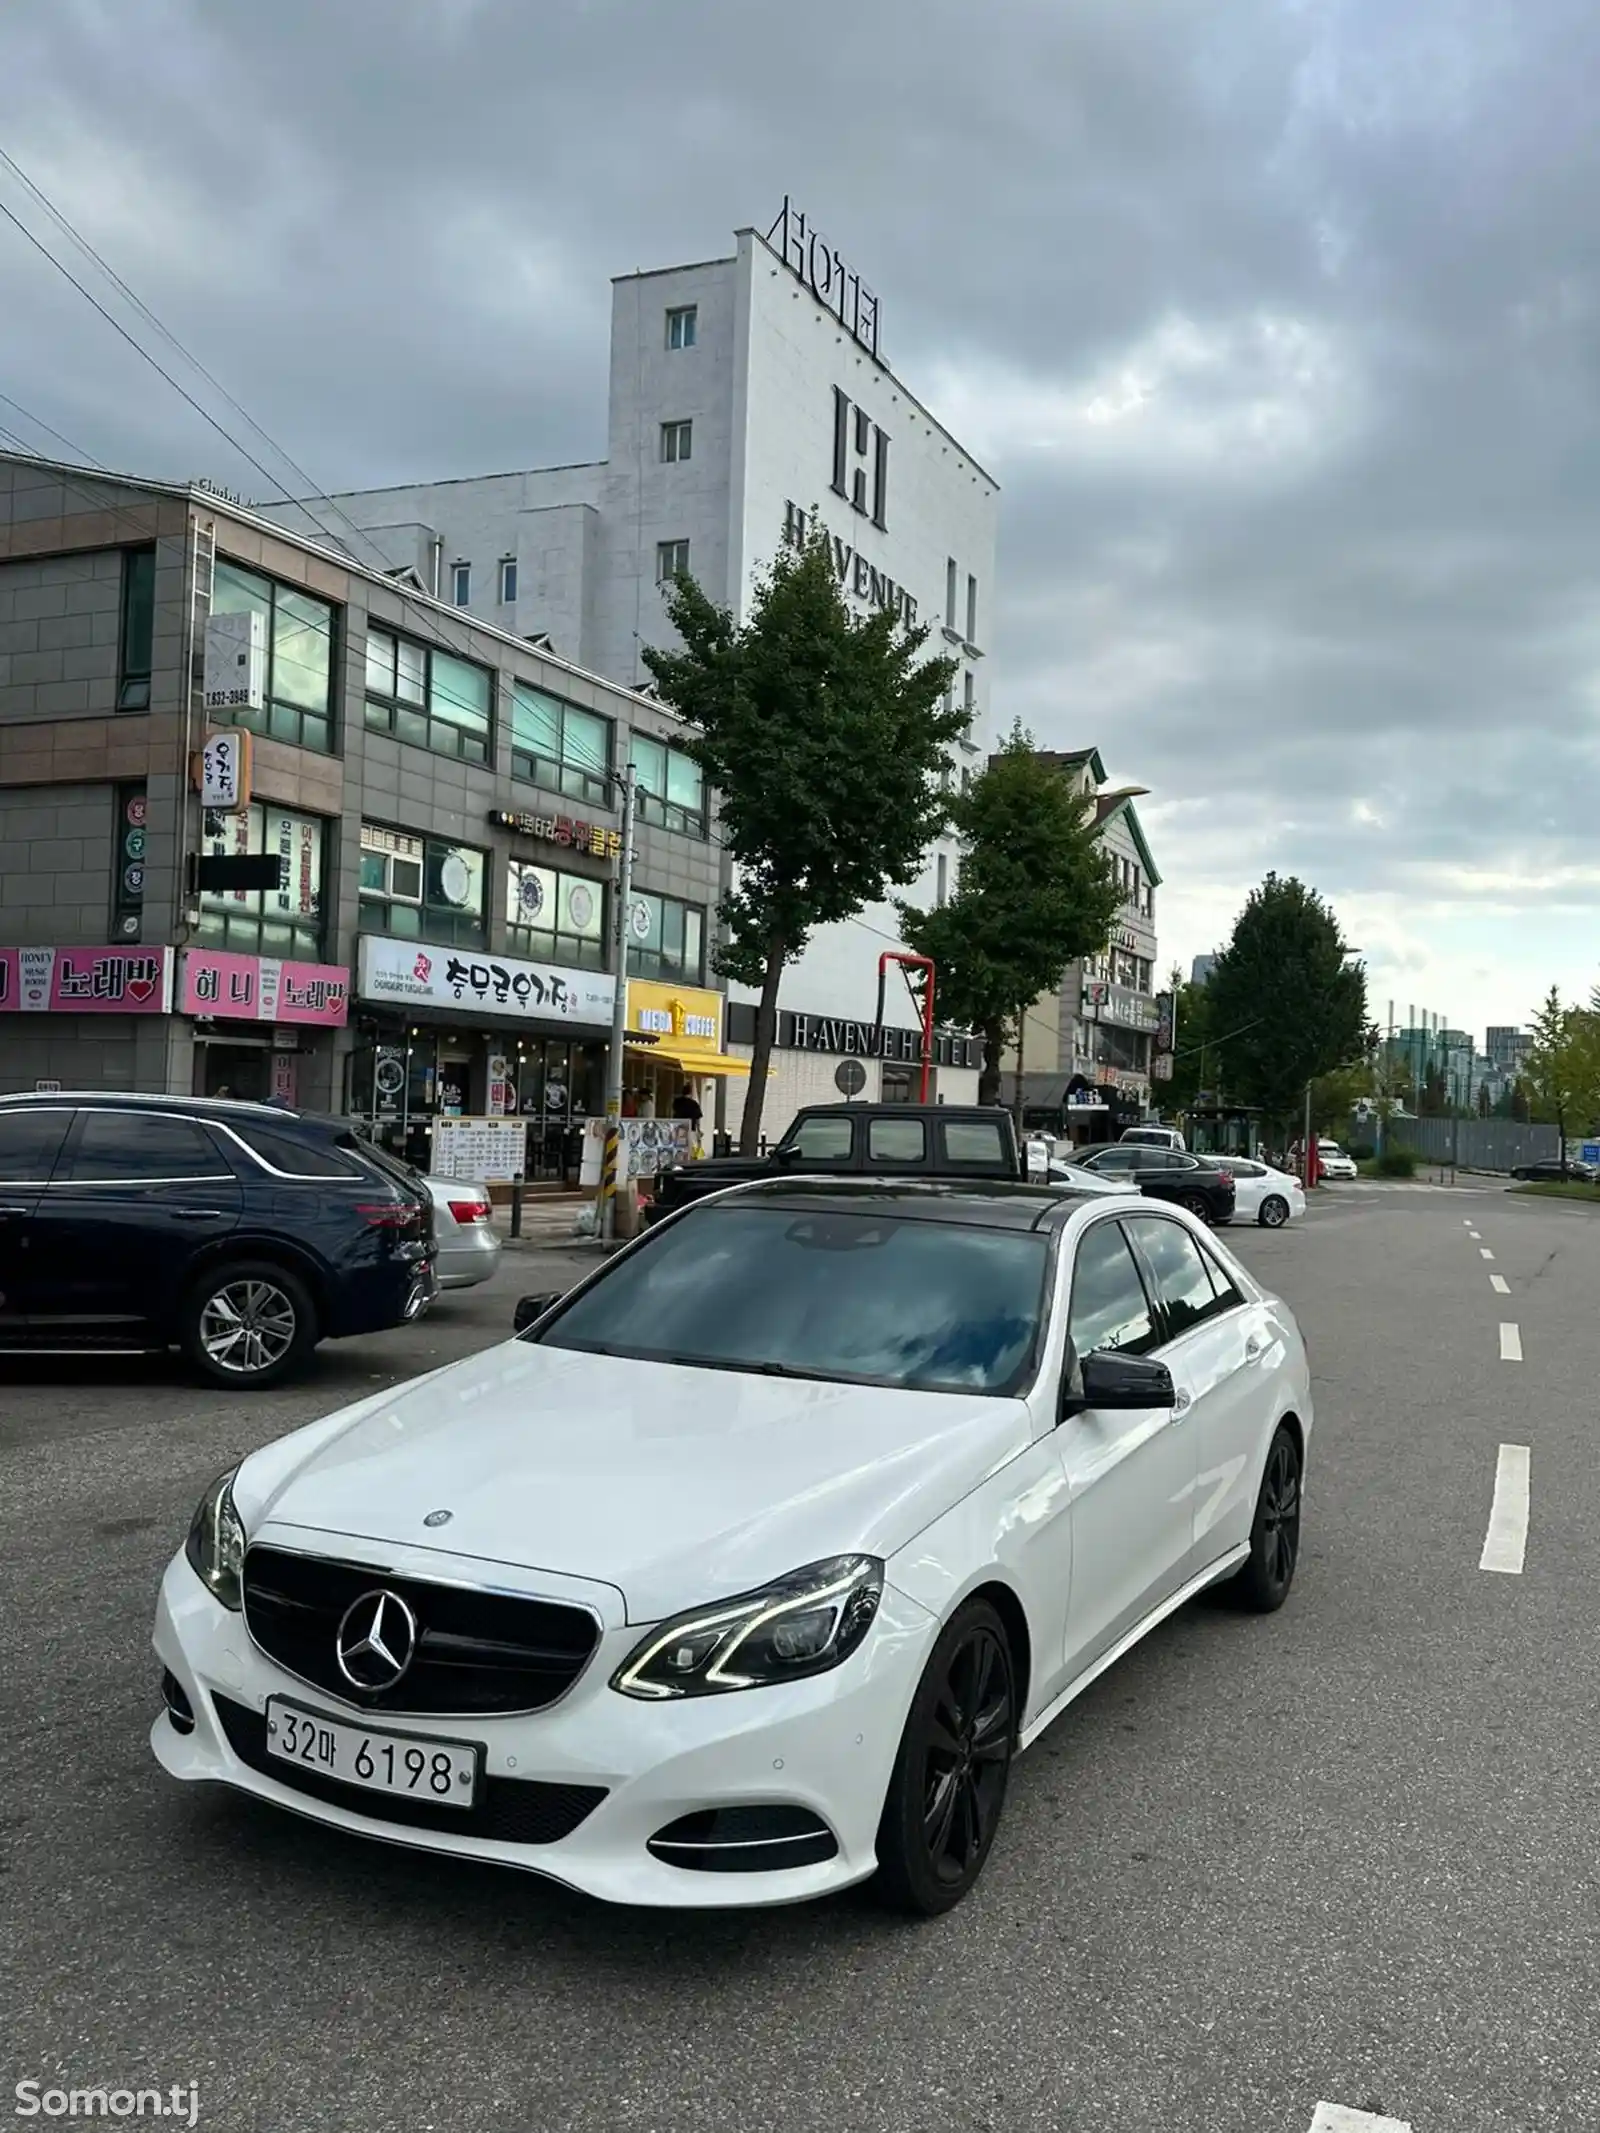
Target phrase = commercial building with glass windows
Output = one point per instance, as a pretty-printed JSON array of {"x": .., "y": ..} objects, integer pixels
[{"x": 431, "y": 814}]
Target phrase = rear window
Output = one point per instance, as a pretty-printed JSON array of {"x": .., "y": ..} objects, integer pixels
[
  {"x": 296, "y": 1155},
  {"x": 976, "y": 1140}
]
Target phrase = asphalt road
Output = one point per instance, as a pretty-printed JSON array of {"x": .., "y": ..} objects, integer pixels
[{"x": 1347, "y": 1853}]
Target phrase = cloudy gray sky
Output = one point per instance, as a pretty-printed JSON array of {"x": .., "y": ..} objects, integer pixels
[{"x": 1279, "y": 321}]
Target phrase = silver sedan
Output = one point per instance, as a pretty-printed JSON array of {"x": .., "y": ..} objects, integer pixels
[{"x": 463, "y": 1228}]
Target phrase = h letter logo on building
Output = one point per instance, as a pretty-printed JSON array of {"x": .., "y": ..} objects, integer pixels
[{"x": 860, "y": 461}]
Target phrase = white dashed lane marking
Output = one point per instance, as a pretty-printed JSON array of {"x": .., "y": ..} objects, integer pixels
[
  {"x": 1339, "y": 2118},
  {"x": 1499, "y": 1284},
  {"x": 1510, "y": 1343},
  {"x": 1484, "y": 1252},
  {"x": 1476, "y": 1235},
  {"x": 1506, "y": 1542}
]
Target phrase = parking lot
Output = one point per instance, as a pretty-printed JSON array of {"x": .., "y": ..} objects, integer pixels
[{"x": 1346, "y": 1853}]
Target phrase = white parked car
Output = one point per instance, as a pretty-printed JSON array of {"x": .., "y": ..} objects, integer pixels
[
  {"x": 464, "y": 1232},
  {"x": 1261, "y": 1193},
  {"x": 1064, "y": 1172},
  {"x": 1155, "y": 1137},
  {"x": 743, "y": 1573},
  {"x": 1332, "y": 1161}
]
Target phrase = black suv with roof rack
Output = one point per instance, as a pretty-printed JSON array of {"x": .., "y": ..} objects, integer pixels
[{"x": 242, "y": 1233}]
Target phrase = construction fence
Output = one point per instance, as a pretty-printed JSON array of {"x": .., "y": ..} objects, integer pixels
[{"x": 1497, "y": 1144}]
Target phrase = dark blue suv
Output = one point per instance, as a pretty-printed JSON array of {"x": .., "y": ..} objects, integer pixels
[{"x": 242, "y": 1233}]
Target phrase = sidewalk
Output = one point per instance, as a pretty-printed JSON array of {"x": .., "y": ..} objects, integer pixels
[{"x": 547, "y": 1224}]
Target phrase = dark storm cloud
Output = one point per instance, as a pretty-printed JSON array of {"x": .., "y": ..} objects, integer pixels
[{"x": 1278, "y": 323}]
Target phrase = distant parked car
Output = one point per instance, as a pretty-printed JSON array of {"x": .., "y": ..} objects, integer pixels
[
  {"x": 1192, "y": 1181},
  {"x": 1333, "y": 1162},
  {"x": 1154, "y": 1136},
  {"x": 1081, "y": 1180},
  {"x": 1263, "y": 1193},
  {"x": 1542, "y": 1173},
  {"x": 463, "y": 1227}
]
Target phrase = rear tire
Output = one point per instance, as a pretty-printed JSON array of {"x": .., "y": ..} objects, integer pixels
[
  {"x": 248, "y": 1324},
  {"x": 1262, "y": 1584},
  {"x": 1193, "y": 1204},
  {"x": 1274, "y": 1211},
  {"x": 948, "y": 1788}
]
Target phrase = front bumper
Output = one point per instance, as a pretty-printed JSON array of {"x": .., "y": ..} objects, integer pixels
[{"x": 826, "y": 1745}]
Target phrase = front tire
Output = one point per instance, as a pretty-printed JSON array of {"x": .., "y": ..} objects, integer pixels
[
  {"x": 248, "y": 1324},
  {"x": 1262, "y": 1585},
  {"x": 948, "y": 1789},
  {"x": 1274, "y": 1211}
]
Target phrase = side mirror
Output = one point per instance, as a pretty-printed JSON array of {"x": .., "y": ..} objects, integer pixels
[
  {"x": 531, "y": 1307},
  {"x": 1118, "y": 1382},
  {"x": 782, "y": 1158}
]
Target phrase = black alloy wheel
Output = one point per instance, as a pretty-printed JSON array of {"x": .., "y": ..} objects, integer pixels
[
  {"x": 1196, "y": 1205},
  {"x": 1262, "y": 1585},
  {"x": 1274, "y": 1211},
  {"x": 949, "y": 1784}
]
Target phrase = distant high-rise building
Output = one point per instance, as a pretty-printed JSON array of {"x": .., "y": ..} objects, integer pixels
[
  {"x": 1201, "y": 968},
  {"x": 1507, "y": 1047}
]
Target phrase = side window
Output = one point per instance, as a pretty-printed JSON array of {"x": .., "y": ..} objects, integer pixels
[
  {"x": 1154, "y": 1159},
  {"x": 1109, "y": 1306},
  {"x": 974, "y": 1140},
  {"x": 822, "y": 1140},
  {"x": 897, "y": 1140},
  {"x": 1114, "y": 1162},
  {"x": 1183, "y": 1287},
  {"x": 30, "y": 1141},
  {"x": 1227, "y": 1291},
  {"x": 127, "y": 1145},
  {"x": 306, "y": 1158}
]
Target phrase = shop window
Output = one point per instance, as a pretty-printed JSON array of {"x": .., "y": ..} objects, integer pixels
[
  {"x": 429, "y": 698},
  {"x": 667, "y": 940},
  {"x": 422, "y": 888},
  {"x": 555, "y": 917},
  {"x": 138, "y": 628},
  {"x": 670, "y": 790},
  {"x": 559, "y": 746},
  {"x": 300, "y": 657},
  {"x": 285, "y": 921}
]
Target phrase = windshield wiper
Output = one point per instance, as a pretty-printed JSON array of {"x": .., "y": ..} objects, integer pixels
[{"x": 747, "y": 1369}]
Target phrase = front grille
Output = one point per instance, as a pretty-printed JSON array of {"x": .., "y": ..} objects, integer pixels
[
  {"x": 509, "y": 1810},
  {"x": 477, "y": 1653}
]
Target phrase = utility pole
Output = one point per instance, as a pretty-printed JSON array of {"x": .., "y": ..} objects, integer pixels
[{"x": 621, "y": 924}]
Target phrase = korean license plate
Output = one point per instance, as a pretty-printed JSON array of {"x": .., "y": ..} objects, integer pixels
[{"x": 444, "y": 1772}]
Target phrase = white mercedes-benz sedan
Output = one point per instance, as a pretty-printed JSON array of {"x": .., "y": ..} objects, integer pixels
[{"x": 744, "y": 1571}]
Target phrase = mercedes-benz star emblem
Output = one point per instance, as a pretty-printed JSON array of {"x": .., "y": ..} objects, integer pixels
[
  {"x": 437, "y": 1518},
  {"x": 377, "y": 1641}
]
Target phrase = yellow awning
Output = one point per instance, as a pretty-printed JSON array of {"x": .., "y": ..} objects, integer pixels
[{"x": 689, "y": 1060}]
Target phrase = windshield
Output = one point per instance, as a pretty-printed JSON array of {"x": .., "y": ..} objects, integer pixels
[{"x": 869, "y": 1298}]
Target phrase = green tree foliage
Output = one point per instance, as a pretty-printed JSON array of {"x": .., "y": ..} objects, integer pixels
[
  {"x": 824, "y": 734},
  {"x": 1037, "y": 891},
  {"x": 1196, "y": 1061},
  {"x": 1288, "y": 1004},
  {"x": 1562, "y": 1074}
]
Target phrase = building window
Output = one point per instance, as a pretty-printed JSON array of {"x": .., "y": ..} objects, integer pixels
[
  {"x": 555, "y": 917},
  {"x": 138, "y": 628},
  {"x": 682, "y": 325},
  {"x": 285, "y": 921},
  {"x": 952, "y": 578},
  {"x": 972, "y": 609},
  {"x": 941, "y": 892},
  {"x": 558, "y": 746},
  {"x": 421, "y": 888},
  {"x": 300, "y": 660},
  {"x": 670, "y": 789},
  {"x": 461, "y": 584},
  {"x": 672, "y": 945},
  {"x": 508, "y": 581},
  {"x": 431, "y": 699},
  {"x": 676, "y": 439},
  {"x": 969, "y": 697},
  {"x": 672, "y": 561}
]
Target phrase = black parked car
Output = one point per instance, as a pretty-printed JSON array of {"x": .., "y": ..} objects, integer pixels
[
  {"x": 1544, "y": 1173},
  {"x": 1204, "y": 1188},
  {"x": 242, "y": 1233}
]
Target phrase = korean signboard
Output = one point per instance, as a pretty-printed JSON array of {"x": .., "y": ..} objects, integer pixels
[
  {"x": 86, "y": 981},
  {"x": 236, "y": 665},
  {"x": 595, "y": 838},
  {"x": 413, "y": 974},
  {"x": 261, "y": 988},
  {"x": 223, "y": 772}
]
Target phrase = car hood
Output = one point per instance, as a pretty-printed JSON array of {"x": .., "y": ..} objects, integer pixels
[{"x": 672, "y": 1484}]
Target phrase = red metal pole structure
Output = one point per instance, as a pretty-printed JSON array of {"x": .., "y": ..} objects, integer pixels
[{"x": 907, "y": 961}]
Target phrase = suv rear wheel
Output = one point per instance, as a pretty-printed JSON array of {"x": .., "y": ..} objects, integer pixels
[{"x": 248, "y": 1324}]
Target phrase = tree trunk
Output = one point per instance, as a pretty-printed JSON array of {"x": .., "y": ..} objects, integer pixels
[
  {"x": 994, "y": 1051},
  {"x": 766, "y": 1038}
]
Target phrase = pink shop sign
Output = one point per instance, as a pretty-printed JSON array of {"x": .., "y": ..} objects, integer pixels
[
  {"x": 85, "y": 981},
  {"x": 260, "y": 988}
]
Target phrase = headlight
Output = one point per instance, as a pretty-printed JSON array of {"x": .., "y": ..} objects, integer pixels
[
  {"x": 801, "y": 1624},
  {"x": 215, "y": 1546}
]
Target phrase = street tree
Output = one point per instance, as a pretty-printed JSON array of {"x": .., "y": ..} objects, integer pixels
[
  {"x": 1562, "y": 1071},
  {"x": 1196, "y": 1060},
  {"x": 1288, "y": 1002},
  {"x": 824, "y": 734},
  {"x": 1037, "y": 891}
]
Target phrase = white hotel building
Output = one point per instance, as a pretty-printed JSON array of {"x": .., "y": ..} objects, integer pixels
[{"x": 745, "y": 392}]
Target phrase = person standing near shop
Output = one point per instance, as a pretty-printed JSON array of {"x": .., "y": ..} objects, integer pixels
[{"x": 684, "y": 1105}]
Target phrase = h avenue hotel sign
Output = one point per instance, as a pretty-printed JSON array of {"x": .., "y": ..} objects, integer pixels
[{"x": 820, "y": 267}]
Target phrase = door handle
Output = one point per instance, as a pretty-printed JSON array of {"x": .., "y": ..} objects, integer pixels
[
  {"x": 195, "y": 1214},
  {"x": 1254, "y": 1346},
  {"x": 8, "y": 1210}
]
